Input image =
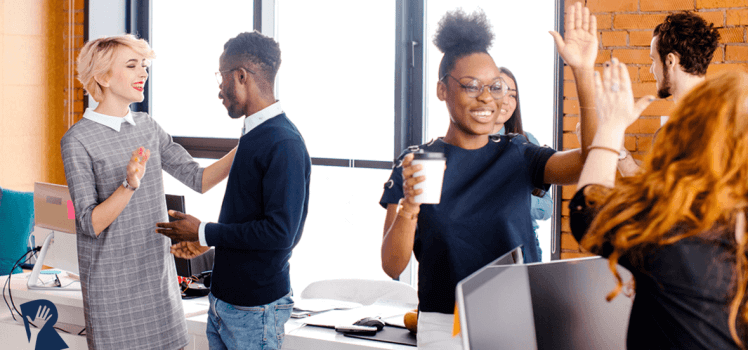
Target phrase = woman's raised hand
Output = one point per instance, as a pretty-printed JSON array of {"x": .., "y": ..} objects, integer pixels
[
  {"x": 578, "y": 46},
  {"x": 614, "y": 98},
  {"x": 136, "y": 166}
]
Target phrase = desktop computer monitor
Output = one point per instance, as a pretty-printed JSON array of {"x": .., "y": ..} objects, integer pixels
[
  {"x": 54, "y": 225},
  {"x": 188, "y": 267}
]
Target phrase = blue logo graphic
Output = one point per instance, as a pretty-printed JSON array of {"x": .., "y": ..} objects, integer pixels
[{"x": 42, "y": 314}]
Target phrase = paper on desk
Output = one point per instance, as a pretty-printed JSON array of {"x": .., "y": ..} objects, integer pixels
[
  {"x": 382, "y": 308},
  {"x": 318, "y": 305},
  {"x": 195, "y": 307}
]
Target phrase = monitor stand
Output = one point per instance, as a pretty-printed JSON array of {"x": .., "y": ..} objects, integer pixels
[{"x": 70, "y": 284}]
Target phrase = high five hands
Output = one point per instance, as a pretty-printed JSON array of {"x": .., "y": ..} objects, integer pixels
[
  {"x": 578, "y": 46},
  {"x": 614, "y": 98},
  {"x": 136, "y": 166}
]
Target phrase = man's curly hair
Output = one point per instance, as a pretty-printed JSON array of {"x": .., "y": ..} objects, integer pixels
[
  {"x": 262, "y": 51},
  {"x": 690, "y": 37}
]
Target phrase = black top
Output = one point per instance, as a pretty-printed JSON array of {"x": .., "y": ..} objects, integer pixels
[
  {"x": 682, "y": 290},
  {"x": 484, "y": 212},
  {"x": 262, "y": 215}
]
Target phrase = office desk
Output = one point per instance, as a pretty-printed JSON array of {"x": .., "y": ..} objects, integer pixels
[{"x": 70, "y": 310}]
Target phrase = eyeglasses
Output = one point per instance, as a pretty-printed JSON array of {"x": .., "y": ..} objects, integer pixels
[
  {"x": 219, "y": 74},
  {"x": 498, "y": 89}
]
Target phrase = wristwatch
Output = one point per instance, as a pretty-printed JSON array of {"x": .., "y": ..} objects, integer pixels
[
  {"x": 127, "y": 185},
  {"x": 623, "y": 154}
]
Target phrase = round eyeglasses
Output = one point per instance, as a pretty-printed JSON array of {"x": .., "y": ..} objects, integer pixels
[{"x": 498, "y": 89}]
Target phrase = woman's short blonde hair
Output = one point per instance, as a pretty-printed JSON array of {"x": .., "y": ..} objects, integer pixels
[{"x": 97, "y": 57}]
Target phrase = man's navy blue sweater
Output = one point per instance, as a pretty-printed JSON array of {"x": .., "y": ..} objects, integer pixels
[{"x": 262, "y": 215}]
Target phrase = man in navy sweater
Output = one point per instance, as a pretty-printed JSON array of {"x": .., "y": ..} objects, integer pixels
[{"x": 263, "y": 210}]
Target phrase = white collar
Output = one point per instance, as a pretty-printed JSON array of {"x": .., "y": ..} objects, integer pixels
[
  {"x": 108, "y": 120},
  {"x": 260, "y": 117}
]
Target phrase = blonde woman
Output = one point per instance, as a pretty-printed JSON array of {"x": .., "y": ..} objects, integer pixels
[{"x": 113, "y": 159}]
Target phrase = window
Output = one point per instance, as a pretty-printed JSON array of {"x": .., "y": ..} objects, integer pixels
[
  {"x": 358, "y": 79},
  {"x": 335, "y": 84}
]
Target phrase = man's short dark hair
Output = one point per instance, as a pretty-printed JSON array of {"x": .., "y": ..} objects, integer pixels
[
  {"x": 690, "y": 37},
  {"x": 262, "y": 51}
]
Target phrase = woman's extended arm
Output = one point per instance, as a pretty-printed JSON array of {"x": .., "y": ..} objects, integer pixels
[
  {"x": 217, "y": 171},
  {"x": 400, "y": 225},
  {"x": 578, "y": 48}
]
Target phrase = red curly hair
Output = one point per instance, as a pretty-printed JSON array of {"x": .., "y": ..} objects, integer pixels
[{"x": 696, "y": 177}]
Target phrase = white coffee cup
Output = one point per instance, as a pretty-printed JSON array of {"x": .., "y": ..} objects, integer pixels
[{"x": 433, "y": 165}]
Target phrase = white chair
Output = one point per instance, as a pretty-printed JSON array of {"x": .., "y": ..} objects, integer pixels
[{"x": 362, "y": 291}]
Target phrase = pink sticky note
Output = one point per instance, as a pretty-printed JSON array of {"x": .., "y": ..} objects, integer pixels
[{"x": 71, "y": 210}]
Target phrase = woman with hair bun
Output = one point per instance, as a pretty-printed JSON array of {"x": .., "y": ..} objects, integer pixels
[{"x": 485, "y": 202}]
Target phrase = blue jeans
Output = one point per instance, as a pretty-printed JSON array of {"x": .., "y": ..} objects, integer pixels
[{"x": 247, "y": 327}]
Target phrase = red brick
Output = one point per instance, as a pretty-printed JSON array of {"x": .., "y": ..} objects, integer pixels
[
  {"x": 640, "y": 38},
  {"x": 632, "y": 56},
  {"x": 611, "y": 6},
  {"x": 568, "y": 242},
  {"x": 719, "y": 55},
  {"x": 644, "y": 89},
  {"x": 568, "y": 74},
  {"x": 571, "y": 107},
  {"x": 644, "y": 143},
  {"x": 736, "y": 53},
  {"x": 710, "y": 4},
  {"x": 631, "y": 21},
  {"x": 565, "y": 226},
  {"x": 645, "y": 75},
  {"x": 737, "y": 17},
  {"x": 567, "y": 192},
  {"x": 665, "y": 5},
  {"x": 717, "y": 68},
  {"x": 80, "y": 17},
  {"x": 715, "y": 17},
  {"x": 570, "y": 89},
  {"x": 570, "y": 141},
  {"x": 602, "y": 56},
  {"x": 614, "y": 38},
  {"x": 78, "y": 106},
  {"x": 77, "y": 5},
  {"x": 604, "y": 21},
  {"x": 731, "y": 35},
  {"x": 570, "y": 123},
  {"x": 658, "y": 108},
  {"x": 569, "y": 255},
  {"x": 629, "y": 142},
  {"x": 564, "y": 208}
]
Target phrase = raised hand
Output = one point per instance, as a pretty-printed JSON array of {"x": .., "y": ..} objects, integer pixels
[
  {"x": 614, "y": 99},
  {"x": 188, "y": 250},
  {"x": 136, "y": 166},
  {"x": 578, "y": 47}
]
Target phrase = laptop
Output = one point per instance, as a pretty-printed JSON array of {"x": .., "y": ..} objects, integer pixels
[{"x": 555, "y": 305}]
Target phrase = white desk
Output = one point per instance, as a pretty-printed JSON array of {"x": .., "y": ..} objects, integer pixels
[{"x": 70, "y": 309}]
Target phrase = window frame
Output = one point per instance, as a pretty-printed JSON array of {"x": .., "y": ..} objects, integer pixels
[{"x": 409, "y": 83}]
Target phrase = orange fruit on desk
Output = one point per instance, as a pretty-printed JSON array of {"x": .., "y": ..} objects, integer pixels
[{"x": 411, "y": 320}]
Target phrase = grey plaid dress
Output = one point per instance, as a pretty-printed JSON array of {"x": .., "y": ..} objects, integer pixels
[{"x": 130, "y": 294}]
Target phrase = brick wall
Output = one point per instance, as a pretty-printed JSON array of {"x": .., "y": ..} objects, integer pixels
[
  {"x": 625, "y": 28},
  {"x": 73, "y": 37},
  {"x": 32, "y": 117}
]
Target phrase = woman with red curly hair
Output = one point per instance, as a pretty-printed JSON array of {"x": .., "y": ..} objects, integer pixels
[{"x": 679, "y": 224}]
